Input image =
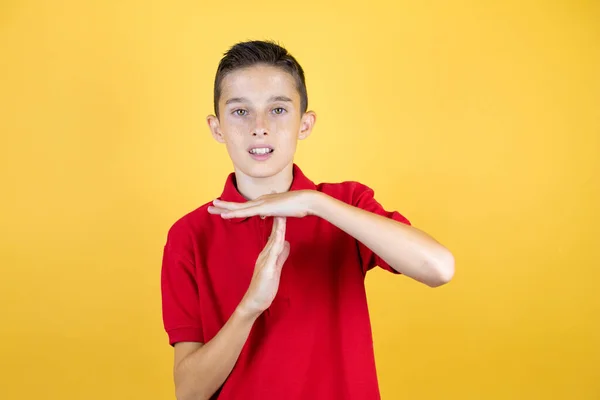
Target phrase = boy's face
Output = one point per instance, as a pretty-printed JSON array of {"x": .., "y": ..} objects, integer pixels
[{"x": 260, "y": 120}]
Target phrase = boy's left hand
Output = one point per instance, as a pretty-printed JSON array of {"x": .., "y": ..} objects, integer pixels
[{"x": 288, "y": 204}]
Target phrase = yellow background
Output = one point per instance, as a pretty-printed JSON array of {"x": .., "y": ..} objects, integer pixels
[{"x": 479, "y": 121}]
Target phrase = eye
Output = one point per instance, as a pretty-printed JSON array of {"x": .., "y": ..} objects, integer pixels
[
  {"x": 240, "y": 112},
  {"x": 279, "y": 110}
]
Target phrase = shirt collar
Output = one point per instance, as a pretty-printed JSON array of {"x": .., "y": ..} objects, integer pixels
[{"x": 231, "y": 193}]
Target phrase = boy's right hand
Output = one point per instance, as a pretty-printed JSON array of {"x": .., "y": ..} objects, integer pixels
[{"x": 267, "y": 271}]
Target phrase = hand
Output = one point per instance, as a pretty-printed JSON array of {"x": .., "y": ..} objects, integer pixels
[
  {"x": 267, "y": 271},
  {"x": 288, "y": 204}
]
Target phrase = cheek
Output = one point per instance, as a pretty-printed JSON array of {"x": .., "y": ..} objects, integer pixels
[
  {"x": 234, "y": 131},
  {"x": 235, "y": 148},
  {"x": 287, "y": 125},
  {"x": 235, "y": 126}
]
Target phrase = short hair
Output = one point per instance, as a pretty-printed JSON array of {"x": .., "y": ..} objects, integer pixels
[{"x": 247, "y": 54}]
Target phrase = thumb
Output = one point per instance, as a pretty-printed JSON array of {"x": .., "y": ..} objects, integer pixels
[{"x": 285, "y": 252}]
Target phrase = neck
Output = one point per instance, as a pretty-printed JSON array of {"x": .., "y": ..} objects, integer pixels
[{"x": 252, "y": 188}]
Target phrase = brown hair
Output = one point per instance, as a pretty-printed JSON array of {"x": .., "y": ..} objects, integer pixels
[{"x": 247, "y": 54}]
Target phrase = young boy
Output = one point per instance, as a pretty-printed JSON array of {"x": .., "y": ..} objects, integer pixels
[{"x": 263, "y": 289}]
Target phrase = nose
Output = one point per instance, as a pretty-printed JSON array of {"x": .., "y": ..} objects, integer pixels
[{"x": 260, "y": 128}]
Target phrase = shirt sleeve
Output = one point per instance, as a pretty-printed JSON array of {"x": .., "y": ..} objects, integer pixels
[
  {"x": 181, "y": 311},
  {"x": 364, "y": 198}
]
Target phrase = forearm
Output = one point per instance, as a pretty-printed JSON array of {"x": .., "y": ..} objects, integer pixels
[
  {"x": 199, "y": 375},
  {"x": 406, "y": 249}
]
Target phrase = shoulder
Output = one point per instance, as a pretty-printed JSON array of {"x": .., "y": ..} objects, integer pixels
[
  {"x": 361, "y": 196},
  {"x": 189, "y": 229}
]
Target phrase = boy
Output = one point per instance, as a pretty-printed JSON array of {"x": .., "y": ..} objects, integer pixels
[{"x": 263, "y": 289}]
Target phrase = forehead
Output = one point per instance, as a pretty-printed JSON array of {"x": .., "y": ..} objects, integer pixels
[{"x": 259, "y": 82}]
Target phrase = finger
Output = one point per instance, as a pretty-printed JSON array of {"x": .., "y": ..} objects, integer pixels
[
  {"x": 216, "y": 210},
  {"x": 246, "y": 212},
  {"x": 276, "y": 242},
  {"x": 274, "y": 229},
  {"x": 277, "y": 245},
  {"x": 282, "y": 221},
  {"x": 279, "y": 223},
  {"x": 272, "y": 236},
  {"x": 283, "y": 256},
  {"x": 272, "y": 254},
  {"x": 280, "y": 237},
  {"x": 229, "y": 205}
]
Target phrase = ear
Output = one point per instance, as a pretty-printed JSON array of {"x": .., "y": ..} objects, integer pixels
[
  {"x": 306, "y": 124},
  {"x": 215, "y": 128}
]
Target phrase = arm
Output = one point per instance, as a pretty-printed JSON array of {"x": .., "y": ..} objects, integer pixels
[
  {"x": 406, "y": 249},
  {"x": 200, "y": 369}
]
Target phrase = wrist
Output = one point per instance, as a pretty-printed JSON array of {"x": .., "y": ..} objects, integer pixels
[
  {"x": 245, "y": 312},
  {"x": 317, "y": 203}
]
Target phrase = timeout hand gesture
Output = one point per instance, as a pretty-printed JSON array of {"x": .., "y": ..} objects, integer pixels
[
  {"x": 267, "y": 271},
  {"x": 288, "y": 204}
]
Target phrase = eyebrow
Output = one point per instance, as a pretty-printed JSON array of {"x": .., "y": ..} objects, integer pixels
[{"x": 245, "y": 100}]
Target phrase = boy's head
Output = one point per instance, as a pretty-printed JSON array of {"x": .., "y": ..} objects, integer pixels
[
  {"x": 249, "y": 54},
  {"x": 260, "y": 102}
]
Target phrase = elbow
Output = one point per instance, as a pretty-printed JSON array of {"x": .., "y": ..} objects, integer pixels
[
  {"x": 441, "y": 270},
  {"x": 187, "y": 394},
  {"x": 185, "y": 391}
]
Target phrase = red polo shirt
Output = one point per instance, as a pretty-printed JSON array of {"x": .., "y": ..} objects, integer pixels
[{"x": 314, "y": 342}]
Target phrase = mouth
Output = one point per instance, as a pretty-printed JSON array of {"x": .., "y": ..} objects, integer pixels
[{"x": 261, "y": 153}]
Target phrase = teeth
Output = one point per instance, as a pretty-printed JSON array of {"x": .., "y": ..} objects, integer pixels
[{"x": 260, "y": 150}]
